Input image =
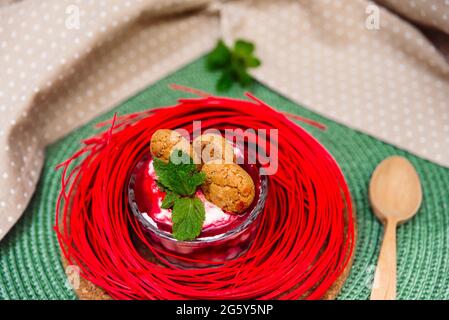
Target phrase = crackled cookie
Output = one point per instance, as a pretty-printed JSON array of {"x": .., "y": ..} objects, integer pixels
[
  {"x": 228, "y": 186},
  {"x": 164, "y": 141},
  {"x": 212, "y": 147}
]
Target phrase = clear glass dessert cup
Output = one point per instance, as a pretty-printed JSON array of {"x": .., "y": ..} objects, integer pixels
[{"x": 206, "y": 250}]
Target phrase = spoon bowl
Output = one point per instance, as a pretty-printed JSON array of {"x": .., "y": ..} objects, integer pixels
[{"x": 395, "y": 190}]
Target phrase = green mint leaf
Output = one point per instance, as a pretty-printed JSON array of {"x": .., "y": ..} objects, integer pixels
[
  {"x": 233, "y": 63},
  {"x": 188, "y": 216},
  {"x": 198, "y": 179},
  {"x": 243, "y": 77},
  {"x": 169, "y": 200},
  {"x": 243, "y": 47},
  {"x": 219, "y": 57},
  {"x": 225, "y": 81},
  {"x": 252, "y": 62},
  {"x": 182, "y": 178},
  {"x": 161, "y": 169}
]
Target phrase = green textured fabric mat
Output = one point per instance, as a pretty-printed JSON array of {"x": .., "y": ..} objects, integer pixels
[{"x": 30, "y": 266}]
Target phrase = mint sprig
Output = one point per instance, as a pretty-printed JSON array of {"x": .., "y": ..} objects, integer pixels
[
  {"x": 180, "y": 182},
  {"x": 233, "y": 63}
]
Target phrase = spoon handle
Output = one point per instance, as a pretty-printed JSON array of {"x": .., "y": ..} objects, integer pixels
[{"x": 384, "y": 286}]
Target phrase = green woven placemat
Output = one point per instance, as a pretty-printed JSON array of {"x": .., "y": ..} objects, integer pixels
[{"x": 30, "y": 266}]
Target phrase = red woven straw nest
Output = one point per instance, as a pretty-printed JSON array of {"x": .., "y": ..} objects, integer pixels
[{"x": 303, "y": 244}]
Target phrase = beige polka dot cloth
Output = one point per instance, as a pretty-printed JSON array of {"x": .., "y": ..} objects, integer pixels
[{"x": 63, "y": 62}]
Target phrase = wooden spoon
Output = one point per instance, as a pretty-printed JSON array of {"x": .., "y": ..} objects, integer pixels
[{"x": 395, "y": 195}]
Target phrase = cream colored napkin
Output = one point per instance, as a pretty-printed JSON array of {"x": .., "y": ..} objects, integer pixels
[
  {"x": 389, "y": 82},
  {"x": 65, "y": 61},
  {"x": 432, "y": 13}
]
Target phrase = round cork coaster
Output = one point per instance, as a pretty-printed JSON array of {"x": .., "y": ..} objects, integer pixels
[{"x": 86, "y": 290}]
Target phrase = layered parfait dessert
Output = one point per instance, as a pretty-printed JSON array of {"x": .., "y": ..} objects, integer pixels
[{"x": 205, "y": 209}]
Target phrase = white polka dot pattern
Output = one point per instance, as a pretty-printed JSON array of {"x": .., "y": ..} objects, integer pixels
[
  {"x": 56, "y": 77},
  {"x": 64, "y": 61},
  {"x": 390, "y": 82}
]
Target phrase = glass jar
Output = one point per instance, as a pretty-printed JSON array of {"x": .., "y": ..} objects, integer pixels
[{"x": 224, "y": 235}]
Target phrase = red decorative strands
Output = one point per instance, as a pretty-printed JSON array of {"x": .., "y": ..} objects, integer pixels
[{"x": 306, "y": 233}]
